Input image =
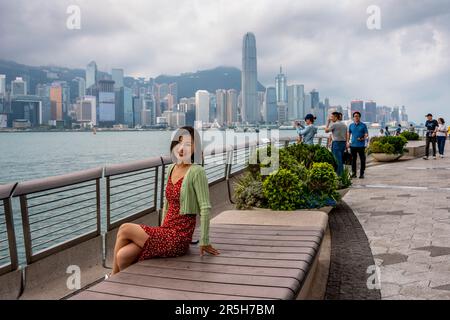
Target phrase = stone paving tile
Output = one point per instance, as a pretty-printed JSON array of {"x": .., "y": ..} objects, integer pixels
[{"x": 405, "y": 222}]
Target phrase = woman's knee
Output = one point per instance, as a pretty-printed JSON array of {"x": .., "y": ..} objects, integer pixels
[{"x": 125, "y": 230}]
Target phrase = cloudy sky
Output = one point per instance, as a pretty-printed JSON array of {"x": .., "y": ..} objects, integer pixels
[{"x": 322, "y": 44}]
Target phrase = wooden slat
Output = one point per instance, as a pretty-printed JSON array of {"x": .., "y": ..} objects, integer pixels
[
  {"x": 263, "y": 227},
  {"x": 183, "y": 265},
  {"x": 216, "y": 277},
  {"x": 245, "y": 262},
  {"x": 307, "y": 250},
  {"x": 264, "y": 232},
  {"x": 307, "y": 244},
  {"x": 202, "y": 286},
  {"x": 259, "y": 255},
  {"x": 160, "y": 294},
  {"x": 92, "y": 295},
  {"x": 273, "y": 238}
]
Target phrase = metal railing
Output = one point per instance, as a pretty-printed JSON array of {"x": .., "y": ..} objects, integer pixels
[
  {"x": 63, "y": 211},
  {"x": 59, "y": 212},
  {"x": 8, "y": 248},
  {"x": 131, "y": 191}
]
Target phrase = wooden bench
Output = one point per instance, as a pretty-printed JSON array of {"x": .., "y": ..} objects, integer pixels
[{"x": 256, "y": 262}]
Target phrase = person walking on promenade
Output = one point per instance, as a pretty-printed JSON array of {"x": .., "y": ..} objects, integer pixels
[
  {"x": 398, "y": 130},
  {"x": 441, "y": 135},
  {"x": 412, "y": 129},
  {"x": 387, "y": 133},
  {"x": 187, "y": 195},
  {"x": 356, "y": 140},
  {"x": 381, "y": 133},
  {"x": 309, "y": 131},
  {"x": 338, "y": 131},
  {"x": 431, "y": 127}
]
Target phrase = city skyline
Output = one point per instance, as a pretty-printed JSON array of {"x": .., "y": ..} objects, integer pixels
[{"x": 404, "y": 63}]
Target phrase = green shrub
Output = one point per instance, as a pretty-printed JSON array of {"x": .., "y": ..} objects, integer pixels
[
  {"x": 287, "y": 161},
  {"x": 410, "y": 135},
  {"x": 261, "y": 159},
  {"x": 248, "y": 192},
  {"x": 322, "y": 179},
  {"x": 308, "y": 154},
  {"x": 283, "y": 190},
  {"x": 389, "y": 145}
]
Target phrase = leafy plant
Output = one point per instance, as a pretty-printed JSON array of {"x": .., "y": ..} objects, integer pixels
[
  {"x": 389, "y": 145},
  {"x": 287, "y": 161},
  {"x": 309, "y": 154},
  {"x": 248, "y": 192},
  {"x": 283, "y": 190},
  {"x": 322, "y": 179},
  {"x": 345, "y": 180},
  {"x": 410, "y": 135}
]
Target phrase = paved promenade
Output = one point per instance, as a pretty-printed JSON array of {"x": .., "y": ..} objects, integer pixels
[{"x": 404, "y": 208}]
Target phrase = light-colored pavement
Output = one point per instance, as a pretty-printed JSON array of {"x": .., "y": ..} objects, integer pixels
[{"x": 404, "y": 208}]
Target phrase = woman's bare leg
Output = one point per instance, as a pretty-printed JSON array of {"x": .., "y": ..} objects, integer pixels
[
  {"x": 128, "y": 232},
  {"x": 128, "y": 255}
]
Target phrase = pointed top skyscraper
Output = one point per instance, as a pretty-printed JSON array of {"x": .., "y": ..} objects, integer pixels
[{"x": 250, "y": 112}]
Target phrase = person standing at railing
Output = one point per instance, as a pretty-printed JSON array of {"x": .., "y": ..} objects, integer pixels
[
  {"x": 441, "y": 135},
  {"x": 187, "y": 195},
  {"x": 338, "y": 131},
  {"x": 356, "y": 141},
  {"x": 307, "y": 132}
]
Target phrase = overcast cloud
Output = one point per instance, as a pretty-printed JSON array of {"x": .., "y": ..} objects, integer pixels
[{"x": 322, "y": 44}]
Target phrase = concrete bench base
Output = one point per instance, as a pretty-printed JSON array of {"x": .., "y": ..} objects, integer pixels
[
  {"x": 10, "y": 284},
  {"x": 47, "y": 278}
]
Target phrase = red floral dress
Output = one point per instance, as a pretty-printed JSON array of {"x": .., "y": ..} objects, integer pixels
[{"x": 173, "y": 237}]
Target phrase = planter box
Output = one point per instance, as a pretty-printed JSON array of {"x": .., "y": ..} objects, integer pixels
[{"x": 384, "y": 157}]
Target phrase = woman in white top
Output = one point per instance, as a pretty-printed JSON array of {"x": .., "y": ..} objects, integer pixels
[{"x": 441, "y": 133}]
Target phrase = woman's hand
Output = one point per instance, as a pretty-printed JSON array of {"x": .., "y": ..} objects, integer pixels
[{"x": 209, "y": 248}]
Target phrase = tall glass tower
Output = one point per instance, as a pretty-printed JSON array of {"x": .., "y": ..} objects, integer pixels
[
  {"x": 281, "y": 87},
  {"x": 250, "y": 112},
  {"x": 91, "y": 74}
]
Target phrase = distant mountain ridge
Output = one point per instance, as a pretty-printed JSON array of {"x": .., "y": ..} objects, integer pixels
[{"x": 188, "y": 83}]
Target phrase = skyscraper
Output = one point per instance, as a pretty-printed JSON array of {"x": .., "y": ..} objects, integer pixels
[
  {"x": 80, "y": 86},
  {"x": 250, "y": 112},
  {"x": 232, "y": 106},
  {"x": 371, "y": 111},
  {"x": 173, "y": 90},
  {"x": 315, "y": 101},
  {"x": 18, "y": 87},
  {"x": 202, "y": 106},
  {"x": 270, "y": 114},
  {"x": 106, "y": 105},
  {"x": 2, "y": 84},
  {"x": 357, "y": 105},
  {"x": 117, "y": 76},
  {"x": 281, "y": 87},
  {"x": 221, "y": 104},
  {"x": 56, "y": 99},
  {"x": 295, "y": 102},
  {"x": 91, "y": 74}
]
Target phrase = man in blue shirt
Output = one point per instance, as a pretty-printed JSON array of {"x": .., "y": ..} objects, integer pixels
[
  {"x": 309, "y": 131},
  {"x": 358, "y": 134}
]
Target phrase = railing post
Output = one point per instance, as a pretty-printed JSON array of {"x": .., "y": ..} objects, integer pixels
[
  {"x": 26, "y": 228},
  {"x": 161, "y": 203},
  {"x": 155, "y": 196},
  {"x": 97, "y": 191},
  {"x": 11, "y": 234},
  {"x": 108, "y": 204}
]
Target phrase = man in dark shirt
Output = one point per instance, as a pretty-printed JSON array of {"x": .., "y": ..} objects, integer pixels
[{"x": 430, "y": 126}]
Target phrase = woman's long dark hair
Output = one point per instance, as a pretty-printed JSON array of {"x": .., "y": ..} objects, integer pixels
[
  {"x": 442, "y": 120},
  {"x": 197, "y": 155}
]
